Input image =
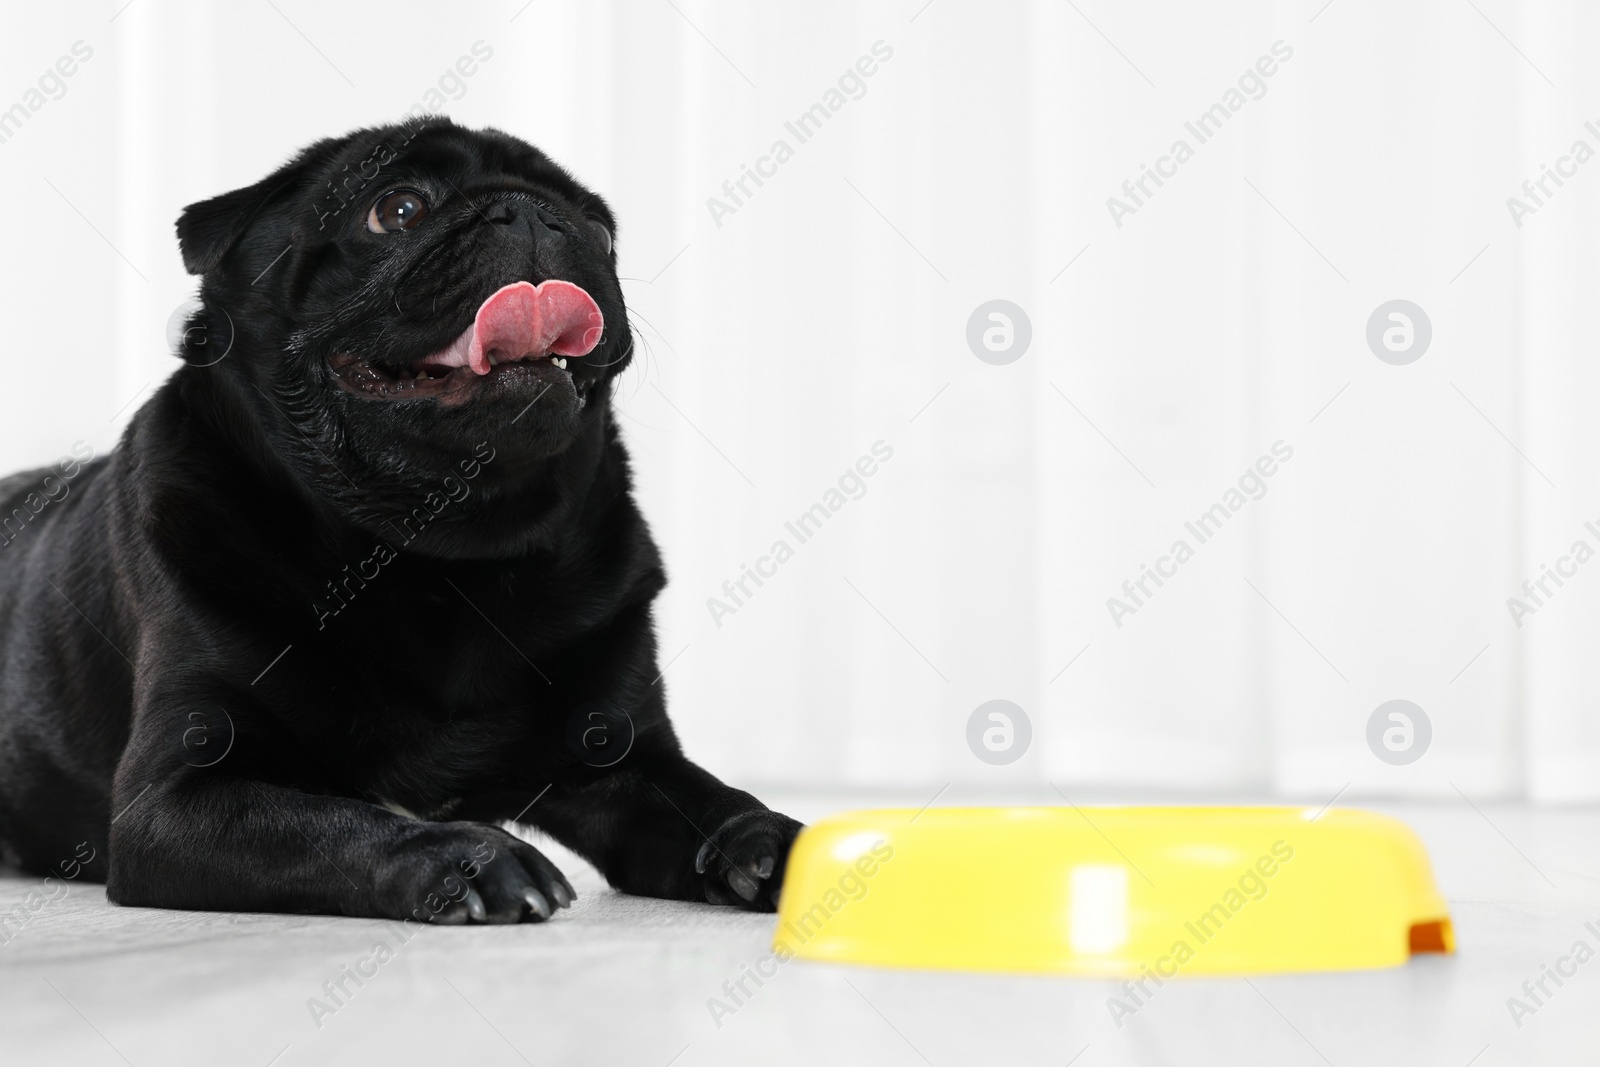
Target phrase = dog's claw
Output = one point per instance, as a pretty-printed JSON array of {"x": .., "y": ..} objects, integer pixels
[
  {"x": 765, "y": 868},
  {"x": 702, "y": 857},
  {"x": 537, "y": 904},
  {"x": 454, "y": 915},
  {"x": 742, "y": 884}
]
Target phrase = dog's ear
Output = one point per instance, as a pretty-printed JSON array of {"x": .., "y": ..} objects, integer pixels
[{"x": 209, "y": 229}]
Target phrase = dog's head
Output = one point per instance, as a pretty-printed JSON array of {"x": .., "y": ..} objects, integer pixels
[{"x": 394, "y": 301}]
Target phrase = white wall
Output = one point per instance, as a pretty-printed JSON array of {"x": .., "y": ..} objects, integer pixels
[{"x": 829, "y": 312}]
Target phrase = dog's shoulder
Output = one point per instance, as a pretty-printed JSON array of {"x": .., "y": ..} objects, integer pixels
[{"x": 14, "y": 488}]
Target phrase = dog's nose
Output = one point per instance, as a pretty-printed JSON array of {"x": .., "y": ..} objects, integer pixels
[{"x": 542, "y": 225}]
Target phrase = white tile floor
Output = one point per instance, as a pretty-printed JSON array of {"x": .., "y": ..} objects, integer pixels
[{"x": 619, "y": 980}]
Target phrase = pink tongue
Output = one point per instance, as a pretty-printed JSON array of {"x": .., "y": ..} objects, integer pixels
[{"x": 552, "y": 318}]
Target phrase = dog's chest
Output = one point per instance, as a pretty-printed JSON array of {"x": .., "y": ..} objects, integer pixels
[
  {"x": 425, "y": 760},
  {"x": 421, "y": 681},
  {"x": 447, "y": 689}
]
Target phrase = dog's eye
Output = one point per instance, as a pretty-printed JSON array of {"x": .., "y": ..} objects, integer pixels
[
  {"x": 602, "y": 233},
  {"x": 399, "y": 210}
]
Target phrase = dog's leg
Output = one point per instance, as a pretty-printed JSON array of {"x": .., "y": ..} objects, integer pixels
[
  {"x": 220, "y": 838},
  {"x": 657, "y": 825}
]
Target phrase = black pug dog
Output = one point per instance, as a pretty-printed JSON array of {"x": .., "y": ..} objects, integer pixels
[{"x": 365, "y": 577}]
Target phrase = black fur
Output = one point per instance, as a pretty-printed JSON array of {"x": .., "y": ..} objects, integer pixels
[{"x": 462, "y": 582}]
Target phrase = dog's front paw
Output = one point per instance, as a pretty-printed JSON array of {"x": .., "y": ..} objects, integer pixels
[
  {"x": 465, "y": 872},
  {"x": 742, "y": 863}
]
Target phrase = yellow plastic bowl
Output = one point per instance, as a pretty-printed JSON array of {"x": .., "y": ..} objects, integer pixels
[{"x": 1112, "y": 891}]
